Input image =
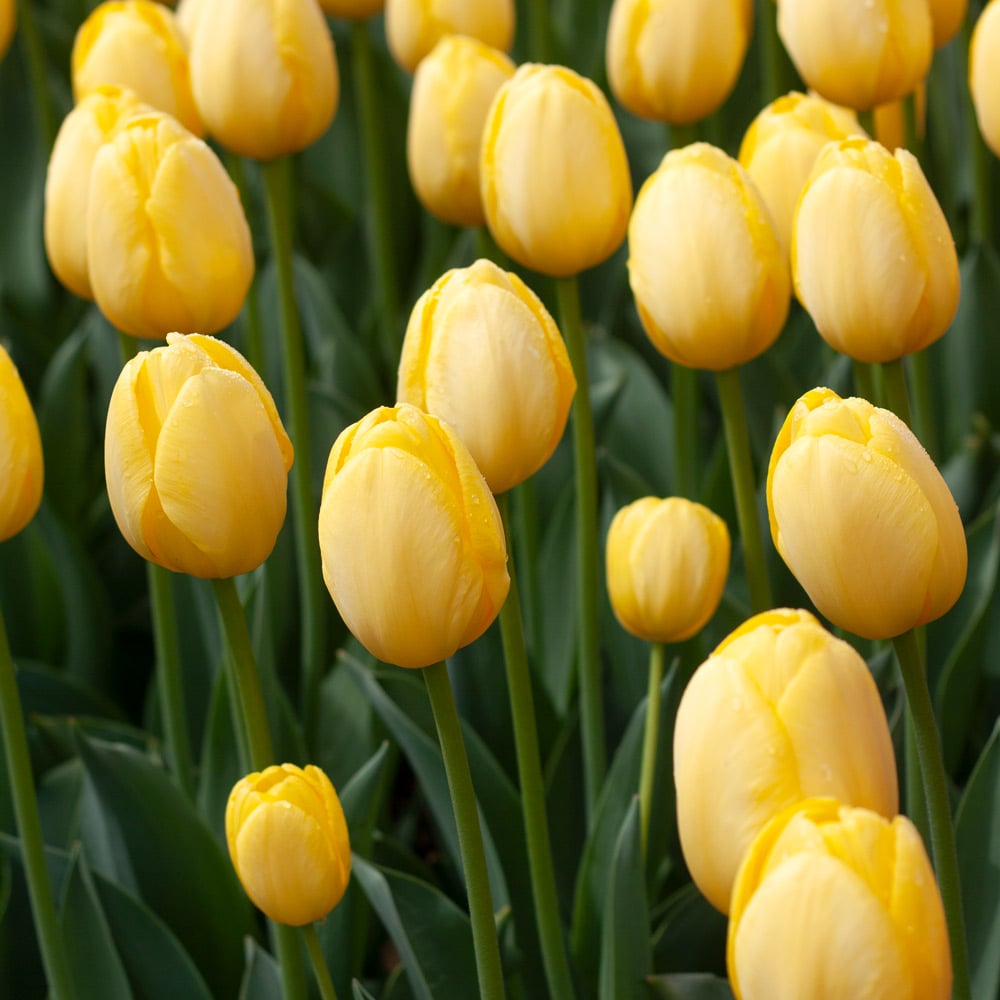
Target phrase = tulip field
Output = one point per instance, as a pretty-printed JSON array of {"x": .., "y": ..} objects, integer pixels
[{"x": 499, "y": 499}]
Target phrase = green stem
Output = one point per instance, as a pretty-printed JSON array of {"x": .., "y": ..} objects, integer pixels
[
  {"x": 470, "y": 838},
  {"x": 866, "y": 119},
  {"x": 251, "y": 319},
  {"x": 864, "y": 381},
  {"x": 35, "y": 54},
  {"x": 584, "y": 454},
  {"x": 526, "y": 518},
  {"x": 896, "y": 396},
  {"x": 911, "y": 127},
  {"x": 741, "y": 470},
  {"x": 529, "y": 770},
  {"x": 935, "y": 780},
  {"x": 323, "y": 980},
  {"x": 770, "y": 52},
  {"x": 684, "y": 135},
  {"x": 923, "y": 420},
  {"x": 22, "y": 791},
  {"x": 647, "y": 774},
  {"x": 684, "y": 388},
  {"x": 311, "y": 593}
]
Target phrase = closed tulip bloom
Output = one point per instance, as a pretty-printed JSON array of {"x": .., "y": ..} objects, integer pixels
[
  {"x": 705, "y": 263},
  {"x": 353, "y": 10},
  {"x": 834, "y": 902},
  {"x": 264, "y": 74},
  {"x": 858, "y": 53},
  {"x": 452, "y": 92},
  {"x": 863, "y": 518},
  {"x": 947, "y": 17},
  {"x": 196, "y": 459},
  {"x": 984, "y": 57},
  {"x": 555, "y": 179},
  {"x": 168, "y": 245},
  {"x": 676, "y": 60},
  {"x": 288, "y": 842},
  {"x": 413, "y": 547},
  {"x": 482, "y": 353},
  {"x": 667, "y": 563},
  {"x": 21, "y": 471},
  {"x": 781, "y": 711},
  {"x": 136, "y": 44},
  {"x": 8, "y": 21}
]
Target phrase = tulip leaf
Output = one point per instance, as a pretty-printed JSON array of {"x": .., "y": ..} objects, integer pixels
[
  {"x": 343, "y": 745},
  {"x": 359, "y": 992},
  {"x": 262, "y": 975},
  {"x": 689, "y": 933},
  {"x": 689, "y": 986}
]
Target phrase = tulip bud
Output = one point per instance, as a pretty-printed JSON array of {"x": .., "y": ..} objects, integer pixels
[
  {"x": 21, "y": 472},
  {"x": 858, "y": 53},
  {"x": 264, "y": 74},
  {"x": 555, "y": 179},
  {"x": 834, "y": 902},
  {"x": 676, "y": 60},
  {"x": 780, "y": 711},
  {"x": 872, "y": 257},
  {"x": 168, "y": 245},
  {"x": 8, "y": 22},
  {"x": 196, "y": 459},
  {"x": 863, "y": 518},
  {"x": 482, "y": 353},
  {"x": 414, "y": 27},
  {"x": 288, "y": 842},
  {"x": 354, "y": 10},
  {"x": 667, "y": 562},
  {"x": 136, "y": 45},
  {"x": 413, "y": 547},
  {"x": 947, "y": 17},
  {"x": 984, "y": 56},
  {"x": 781, "y": 146},
  {"x": 705, "y": 263},
  {"x": 452, "y": 92}
]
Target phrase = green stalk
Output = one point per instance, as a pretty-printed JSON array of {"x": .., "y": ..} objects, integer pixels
[
  {"x": 684, "y": 390},
  {"x": 251, "y": 319},
  {"x": 911, "y": 129},
  {"x": 981, "y": 209},
  {"x": 526, "y": 519},
  {"x": 647, "y": 774},
  {"x": 896, "y": 395},
  {"x": 22, "y": 792},
  {"x": 539, "y": 31},
  {"x": 935, "y": 781},
  {"x": 923, "y": 420},
  {"x": 741, "y": 471},
  {"x": 866, "y": 119},
  {"x": 864, "y": 381},
  {"x": 470, "y": 838},
  {"x": 529, "y": 771},
  {"x": 322, "y": 972},
  {"x": 311, "y": 594},
  {"x": 35, "y": 54},
  {"x": 588, "y": 651},
  {"x": 769, "y": 49}
]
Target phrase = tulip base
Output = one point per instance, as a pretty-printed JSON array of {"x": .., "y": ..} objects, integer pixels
[{"x": 320, "y": 969}]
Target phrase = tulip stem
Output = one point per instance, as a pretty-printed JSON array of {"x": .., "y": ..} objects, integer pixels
[
  {"x": 770, "y": 51},
  {"x": 935, "y": 779},
  {"x": 584, "y": 454},
  {"x": 470, "y": 837},
  {"x": 311, "y": 596},
  {"x": 35, "y": 54},
  {"x": 864, "y": 381},
  {"x": 741, "y": 470},
  {"x": 980, "y": 210},
  {"x": 920, "y": 378},
  {"x": 323, "y": 980},
  {"x": 529, "y": 770},
  {"x": 526, "y": 517},
  {"x": 896, "y": 395},
  {"x": 684, "y": 389},
  {"x": 22, "y": 793},
  {"x": 539, "y": 31},
  {"x": 251, "y": 319},
  {"x": 647, "y": 774}
]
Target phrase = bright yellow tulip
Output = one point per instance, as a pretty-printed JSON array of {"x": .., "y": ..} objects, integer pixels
[
  {"x": 21, "y": 468},
  {"x": 984, "y": 58},
  {"x": 948, "y": 16},
  {"x": 8, "y": 22}
]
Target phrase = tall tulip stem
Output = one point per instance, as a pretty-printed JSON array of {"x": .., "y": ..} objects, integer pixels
[
  {"x": 928, "y": 742},
  {"x": 251, "y": 309},
  {"x": 770, "y": 50},
  {"x": 470, "y": 836},
  {"x": 981, "y": 206},
  {"x": 320, "y": 968},
  {"x": 896, "y": 395},
  {"x": 684, "y": 392},
  {"x": 34, "y": 52},
  {"x": 647, "y": 773}
]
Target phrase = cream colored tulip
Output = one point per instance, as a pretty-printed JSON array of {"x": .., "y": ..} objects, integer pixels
[
  {"x": 984, "y": 58},
  {"x": 21, "y": 467}
]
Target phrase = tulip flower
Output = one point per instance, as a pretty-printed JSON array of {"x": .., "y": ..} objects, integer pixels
[
  {"x": 21, "y": 471},
  {"x": 414, "y": 27},
  {"x": 859, "y": 53},
  {"x": 8, "y": 22},
  {"x": 412, "y": 543},
  {"x": 676, "y": 60},
  {"x": 947, "y": 17},
  {"x": 872, "y": 257},
  {"x": 264, "y": 74},
  {"x": 781, "y": 711},
  {"x": 136, "y": 45},
  {"x": 452, "y": 92},
  {"x": 705, "y": 262},
  {"x": 288, "y": 842},
  {"x": 482, "y": 353},
  {"x": 353, "y": 10},
  {"x": 984, "y": 56},
  {"x": 168, "y": 245},
  {"x": 833, "y": 901},
  {"x": 863, "y": 518},
  {"x": 667, "y": 562},
  {"x": 555, "y": 179},
  {"x": 196, "y": 459}
]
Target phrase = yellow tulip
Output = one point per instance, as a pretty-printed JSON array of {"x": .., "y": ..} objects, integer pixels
[
  {"x": 288, "y": 842},
  {"x": 834, "y": 902},
  {"x": 873, "y": 259},
  {"x": 676, "y": 60},
  {"x": 354, "y": 10},
  {"x": 413, "y": 547},
  {"x": 948, "y": 17},
  {"x": 667, "y": 563},
  {"x": 705, "y": 263},
  {"x": 984, "y": 57},
  {"x": 8, "y": 22},
  {"x": 781, "y": 146},
  {"x": 414, "y": 27},
  {"x": 890, "y": 119},
  {"x": 555, "y": 179},
  {"x": 482, "y": 353},
  {"x": 21, "y": 470},
  {"x": 168, "y": 245},
  {"x": 196, "y": 459},
  {"x": 264, "y": 74},
  {"x": 781, "y": 711},
  {"x": 863, "y": 518},
  {"x": 136, "y": 45},
  {"x": 858, "y": 53},
  {"x": 452, "y": 91}
]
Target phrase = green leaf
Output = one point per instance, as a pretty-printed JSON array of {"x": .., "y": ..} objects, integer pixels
[
  {"x": 689, "y": 986},
  {"x": 262, "y": 976},
  {"x": 689, "y": 934},
  {"x": 346, "y": 740},
  {"x": 359, "y": 992}
]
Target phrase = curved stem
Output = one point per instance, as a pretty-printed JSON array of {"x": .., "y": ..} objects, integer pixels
[
  {"x": 684, "y": 389},
  {"x": 647, "y": 774},
  {"x": 322, "y": 972},
  {"x": 35, "y": 54},
  {"x": 470, "y": 837}
]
